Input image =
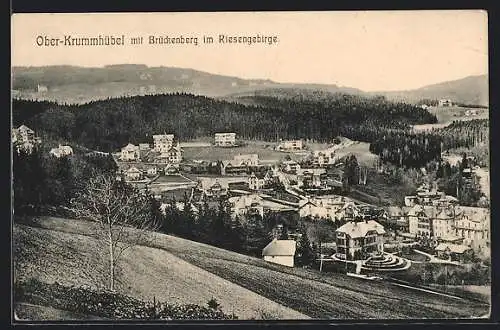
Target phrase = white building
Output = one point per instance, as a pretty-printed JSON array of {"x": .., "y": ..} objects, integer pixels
[
  {"x": 130, "y": 153},
  {"x": 163, "y": 142},
  {"x": 290, "y": 145},
  {"x": 443, "y": 225},
  {"x": 334, "y": 209},
  {"x": 310, "y": 177},
  {"x": 359, "y": 240},
  {"x": 248, "y": 159},
  {"x": 174, "y": 155},
  {"x": 24, "y": 139},
  {"x": 212, "y": 187},
  {"x": 323, "y": 157},
  {"x": 246, "y": 205},
  {"x": 473, "y": 225},
  {"x": 225, "y": 139},
  {"x": 61, "y": 151},
  {"x": 133, "y": 174},
  {"x": 152, "y": 171},
  {"x": 445, "y": 103},
  {"x": 258, "y": 181},
  {"x": 144, "y": 147},
  {"x": 280, "y": 252},
  {"x": 310, "y": 209}
]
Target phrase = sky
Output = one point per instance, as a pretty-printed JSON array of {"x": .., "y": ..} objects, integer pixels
[{"x": 369, "y": 50}]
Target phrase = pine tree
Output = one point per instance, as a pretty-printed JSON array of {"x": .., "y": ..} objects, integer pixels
[
  {"x": 305, "y": 253},
  {"x": 256, "y": 236}
]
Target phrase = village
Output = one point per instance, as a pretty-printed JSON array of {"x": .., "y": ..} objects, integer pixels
[{"x": 367, "y": 236}]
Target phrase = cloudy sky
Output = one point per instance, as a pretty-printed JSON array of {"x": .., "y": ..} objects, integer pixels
[{"x": 373, "y": 51}]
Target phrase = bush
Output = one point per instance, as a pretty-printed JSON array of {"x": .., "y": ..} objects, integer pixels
[
  {"x": 213, "y": 303},
  {"x": 109, "y": 304}
]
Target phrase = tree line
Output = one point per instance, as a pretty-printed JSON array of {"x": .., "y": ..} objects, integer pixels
[
  {"x": 408, "y": 149},
  {"x": 465, "y": 133},
  {"x": 110, "y": 124}
]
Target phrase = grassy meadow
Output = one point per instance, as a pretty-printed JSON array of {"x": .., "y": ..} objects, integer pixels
[{"x": 161, "y": 269}]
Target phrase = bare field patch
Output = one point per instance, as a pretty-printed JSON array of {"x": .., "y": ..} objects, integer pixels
[{"x": 143, "y": 272}]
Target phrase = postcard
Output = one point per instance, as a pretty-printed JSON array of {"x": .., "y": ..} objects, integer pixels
[{"x": 329, "y": 165}]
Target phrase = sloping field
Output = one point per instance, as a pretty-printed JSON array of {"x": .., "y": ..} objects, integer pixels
[
  {"x": 331, "y": 296},
  {"x": 144, "y": 273},
  {"x": 362, "y": 152}
]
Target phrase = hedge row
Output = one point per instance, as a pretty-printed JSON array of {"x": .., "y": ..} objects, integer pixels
[{"x": 108, "y": 304}]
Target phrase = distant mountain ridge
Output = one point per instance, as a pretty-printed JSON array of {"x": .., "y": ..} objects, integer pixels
[
  {"x": 468, "y": 90},
  {"x": 73, "y": 84}
]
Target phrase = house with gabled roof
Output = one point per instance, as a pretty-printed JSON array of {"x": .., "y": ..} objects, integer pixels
[
  {"x": 130, "y": 153},
  {"x": 246, "y": 205},
  {"x": 133, "y": 174},
  {"x": 24, "y": 139},
  {"x": 359, "y": 240},
  {"x": 281, "y": 252},
  {"x": 212, "y": 187}
]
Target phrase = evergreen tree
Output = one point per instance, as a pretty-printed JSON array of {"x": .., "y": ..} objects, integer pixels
[
  {"x": 256, "y": 236},
  {"x": 237, "y": 234},
  {"x": 305, "y": 253}
]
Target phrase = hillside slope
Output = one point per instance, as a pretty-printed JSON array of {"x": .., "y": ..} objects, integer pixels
[
  {"x": 72, "y": 84},
  {"x": 143, "y": 273},
  {"x": 330, "y": 296}
]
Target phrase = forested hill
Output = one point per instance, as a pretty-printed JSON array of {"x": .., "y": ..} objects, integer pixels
[
  {"x": 73, "y": 84},
  {"x": 110, "y": 124}
]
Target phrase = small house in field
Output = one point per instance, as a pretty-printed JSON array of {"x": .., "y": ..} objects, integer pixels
[
  {"x": 225, "y": 139},
  {"x": 290, "y": 145},
  {"x": 445, "y": 103},
  {"x": 61, "y": 151},
  {"x": 280, "y": 252},
  {"x": 129, "y": 153},
  {"x": 246, "y": 159}
]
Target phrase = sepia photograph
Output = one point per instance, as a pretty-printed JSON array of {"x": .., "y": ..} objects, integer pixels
[{"x": 308, "y": 165}]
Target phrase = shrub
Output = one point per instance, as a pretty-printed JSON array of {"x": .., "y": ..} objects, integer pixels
[
  {"x": 109, "y": 304},
  {"x": 213, "y": 303}
]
